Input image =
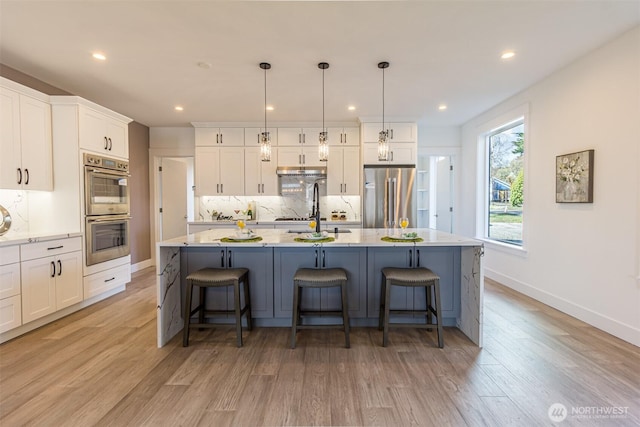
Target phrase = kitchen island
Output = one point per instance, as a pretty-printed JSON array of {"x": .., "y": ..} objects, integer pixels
[{"x": 274, "y": 258}]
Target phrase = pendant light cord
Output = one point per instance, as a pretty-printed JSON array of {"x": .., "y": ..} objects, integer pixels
[
  {"x": 265, "y": 99},
  {"x": 383, "y": 99},
  {"x": 323, "y": 128}
]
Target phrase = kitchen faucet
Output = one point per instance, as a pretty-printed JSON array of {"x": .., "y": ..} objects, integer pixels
[{"x": 315, "y": 210}]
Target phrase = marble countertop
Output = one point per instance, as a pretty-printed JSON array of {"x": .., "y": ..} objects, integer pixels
[
  {"x": 273, "y": 222},
  {"x": 358, "y": 237},
  {"x": 22, "y": 238}
]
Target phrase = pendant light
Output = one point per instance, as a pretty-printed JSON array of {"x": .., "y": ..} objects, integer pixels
[
  {"x": 265, "y": 137},
  {"x": 323, "y": 147},
  {"x": 383, "y": 137}
]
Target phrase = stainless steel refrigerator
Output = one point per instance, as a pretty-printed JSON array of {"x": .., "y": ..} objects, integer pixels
[{"x": 389, "y": 194}]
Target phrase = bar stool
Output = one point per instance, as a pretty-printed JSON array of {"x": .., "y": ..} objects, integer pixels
[
  {"x": 410, "y": 277},
  {"x": 215, "y": 278},
  {"x": 319, "y": 278}
]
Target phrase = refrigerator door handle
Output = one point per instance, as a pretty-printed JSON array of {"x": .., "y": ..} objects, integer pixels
[{"x": 392, "y": 202}]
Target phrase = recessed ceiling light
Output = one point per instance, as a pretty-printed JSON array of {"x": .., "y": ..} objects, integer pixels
[
  {"x": 179, "y": 108},
  {"x": 442, "y": 107},
  {"x": 99, "y": 56},
  {"x": 204, "y": 65},
  {"x": 508, "y": 54},
  {"x": 351, "y": 107},
  {"x": 269, "y": 107}
]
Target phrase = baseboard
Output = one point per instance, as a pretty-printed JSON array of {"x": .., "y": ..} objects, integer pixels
[
  {"x": 141, "y": 265},
  {"x": 623, "y": 331}
]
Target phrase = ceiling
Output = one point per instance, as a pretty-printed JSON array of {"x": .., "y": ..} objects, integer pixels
[{"x": 440, "y": 52}]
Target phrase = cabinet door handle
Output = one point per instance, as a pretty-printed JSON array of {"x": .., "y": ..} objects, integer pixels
[
  {"x": 304, "y": 138},
  {"x": 106, "y": 143},
  {"x": 59, "y": 267},
  {"x": 345, "y": 187},
  {"x": 217, "y": 138},
  {"x": 304, "y": 159},
  {"x": 417, "y": 257},
  {"x": 19, "y": 175},
  {"x": 222, "y": 258},
  {"x": 316, "y": 258},
  {"x": 222, "y": 188},
  {"x": 26, "y": 181},
  {"x": 341, "y": 188},
  {"x": 410, "y": 258},
  {"x": 392, "y": 156},
  {"x": 323, "y": 259},
  {"x": 229, "y": 260},
  {"x": 391, "y": 133},
  {"x": 263, "y": 188},
  {"x": 110, "y": 144},
  {"x": 341, "y": 139},
  {"x": 53, "y": 269},
  {"x": 109, "y": 280},
  {"x": 55, "y": 247}
]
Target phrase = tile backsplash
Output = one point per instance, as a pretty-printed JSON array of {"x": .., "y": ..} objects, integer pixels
[
  {"x": 15, "y": 201},
  {"x": 271, "y": 207}
]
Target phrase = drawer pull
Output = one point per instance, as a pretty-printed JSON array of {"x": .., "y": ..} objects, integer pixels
[
  {"x": 55, "y": 247},
  {"x": 108, "y": 280}
]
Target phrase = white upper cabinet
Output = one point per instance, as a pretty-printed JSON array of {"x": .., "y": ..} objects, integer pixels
[
  {"x": 343, "y": 171},
  {"x": 398, "y": 132},
  {"x": 104, "y": 134},
  {"x": 343, "y": 136},
  {"x": 299, "y": 156},
  {"x": 252, "y": 136},
  {"x": 399, "y": 154},
  {"x": 260, "y": 177},
  {"x": 219, "y": 171},
  {"x": 26, "y": 145},
  {"x": 298, "y": 136},
  {"x": 219, "y": 137}
]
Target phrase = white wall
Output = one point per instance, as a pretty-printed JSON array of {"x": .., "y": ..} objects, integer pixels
[{"x": 580, "y": 258}]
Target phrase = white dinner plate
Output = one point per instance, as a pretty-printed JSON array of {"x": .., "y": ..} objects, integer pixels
[
  {"x": 312, "y": 237},
  {"x": 243, "y": 237}
]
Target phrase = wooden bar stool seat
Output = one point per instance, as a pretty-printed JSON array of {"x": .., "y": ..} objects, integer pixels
[
  {"x": 319, "y": 278},
  {"x": 215, "y": 278},
  {"x": 411, "y": 277}
]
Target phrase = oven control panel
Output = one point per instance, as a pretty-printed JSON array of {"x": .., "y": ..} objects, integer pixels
[{"x": 106, "y": 162}]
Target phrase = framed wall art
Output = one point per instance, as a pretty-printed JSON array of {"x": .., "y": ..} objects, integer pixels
[{"x": 574, "y": 177}]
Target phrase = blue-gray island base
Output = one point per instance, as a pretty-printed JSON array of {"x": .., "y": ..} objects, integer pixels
[{"x": 272, "y": 262}]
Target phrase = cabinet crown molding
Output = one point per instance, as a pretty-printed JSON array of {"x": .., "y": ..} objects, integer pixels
[{"x": 76, "y": 100}]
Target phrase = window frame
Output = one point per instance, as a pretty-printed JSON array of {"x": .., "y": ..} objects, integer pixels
[{"x": 502, "y": 122}]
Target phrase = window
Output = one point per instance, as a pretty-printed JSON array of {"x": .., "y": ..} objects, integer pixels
[{"x": 506, "y": 183}]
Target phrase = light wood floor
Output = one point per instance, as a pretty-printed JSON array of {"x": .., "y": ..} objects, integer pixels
[{"x": 101, "y": 367}]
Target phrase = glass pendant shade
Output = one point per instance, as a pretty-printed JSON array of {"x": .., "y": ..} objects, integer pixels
[
  {"x": 383, "y": 146},
  {"x": 323, "y": 147},
  {"x": 265, "y": 146}
]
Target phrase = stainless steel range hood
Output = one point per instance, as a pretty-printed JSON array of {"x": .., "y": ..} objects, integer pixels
[
  {"x": 297, "y": 181},
  {"x": 311, "y": 171}
]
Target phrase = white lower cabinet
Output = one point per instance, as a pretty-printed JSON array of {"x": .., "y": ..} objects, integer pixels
[
  {"x": 51, "y": 276},
  {"x": 104, "y": 281},
  {"x": 10, "y": 290}
]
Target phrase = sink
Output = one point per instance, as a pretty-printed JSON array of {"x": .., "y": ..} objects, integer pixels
[{"x": 328, "y": 230}]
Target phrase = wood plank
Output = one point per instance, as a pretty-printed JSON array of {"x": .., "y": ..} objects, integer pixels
[{"x": 100, "y": 366}]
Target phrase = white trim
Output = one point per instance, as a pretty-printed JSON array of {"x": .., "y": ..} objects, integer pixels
[
  {"x": 504, "y": 247},
  {"x": 618, "y": 329},
  {"x": 24, "y": 90},
  {"x": 142, "y": 265}
]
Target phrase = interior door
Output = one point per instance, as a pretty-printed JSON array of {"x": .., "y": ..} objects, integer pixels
[
  {"x": 173, "y": 187},
  {"x": 443, "y": 193}
]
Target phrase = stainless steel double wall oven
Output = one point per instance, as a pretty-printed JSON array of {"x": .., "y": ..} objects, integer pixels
[{"x": 106, "y": 195}]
